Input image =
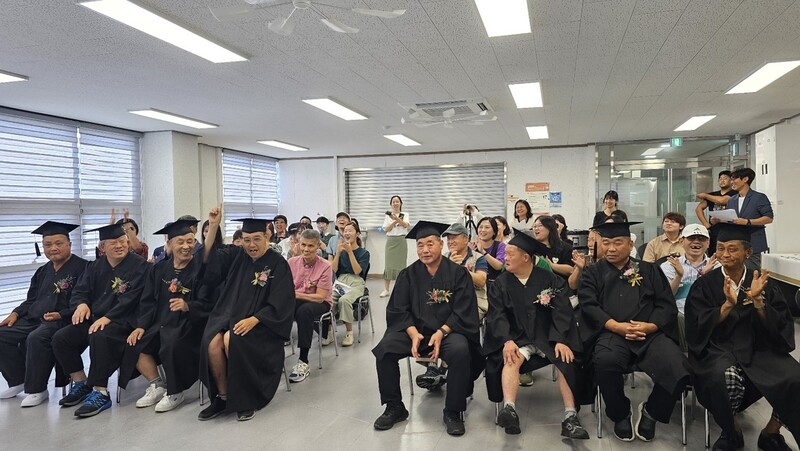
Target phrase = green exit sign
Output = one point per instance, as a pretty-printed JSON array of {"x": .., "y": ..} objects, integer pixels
[{"x": 676, "y": 142}]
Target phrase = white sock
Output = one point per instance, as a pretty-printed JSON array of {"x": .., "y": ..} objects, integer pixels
[
  {"x": 509, "y": 404},
  {"x": 102, "y": 390},
  {"x": 569, "y": 411}
]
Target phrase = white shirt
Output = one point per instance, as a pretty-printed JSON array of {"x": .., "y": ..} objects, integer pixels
[
  {"x": 741, "y": 203},
  {"x": 397, "y": 230},
  {"x": 523, "y": 225}
]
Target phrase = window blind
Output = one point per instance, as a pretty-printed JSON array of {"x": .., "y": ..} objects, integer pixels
[
  {"x": 432, "y": 193},
  {"x": 249, "y": 188}
]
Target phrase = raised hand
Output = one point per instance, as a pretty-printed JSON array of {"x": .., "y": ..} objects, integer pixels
[
  {"x": 215, "y": 216},
  {"x": 730, "y": 292},
  {"x": 579, "y": 260},
  {"x": 760, "y": 280}
]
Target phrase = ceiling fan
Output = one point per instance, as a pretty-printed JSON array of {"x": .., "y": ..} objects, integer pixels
[
  {"x": 283, "y": 25},
  {"x": 448, "y": 119}
]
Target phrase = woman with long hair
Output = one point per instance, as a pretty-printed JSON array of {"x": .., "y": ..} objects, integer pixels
[
  {"x": 350, "y": 264},
  {"x": 487, "y": 245},
  {"x": 562, "y": 227},
  {"x": 610, "y": 201},
  {"x": 503, "y": 229},
  {"x": 395, "y": 224},
  {"x": 559, "y": 253},
  {"x": 523, "y": 215}
]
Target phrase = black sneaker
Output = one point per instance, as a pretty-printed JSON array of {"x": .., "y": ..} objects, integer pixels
[
  {"x": 432, "y": 379},
  {"x": 244, "y": 415},
  {"x": 95, "y": 403},
  {"x": 508, "y": 419},
  {"x": 453, "y": 422},
  {"x": 645, "y": 425},
  {"x": 571, "y": 428},
  {"x": 77, "y": 394},
  {"x": 772, "y": 442},
  {"x": 394, "y": 413},
  {"x": 623, "y": 429},
  {"x": 723, "y": 444},
  {"x": 217, "y": 408}
]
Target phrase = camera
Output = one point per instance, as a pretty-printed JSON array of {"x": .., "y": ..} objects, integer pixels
[
  {"x": 674, "y": 255},
  {"x": 388, "y": 212}
]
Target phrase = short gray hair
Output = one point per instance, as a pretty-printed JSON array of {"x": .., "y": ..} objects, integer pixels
[{"x": 310, "y": 234}]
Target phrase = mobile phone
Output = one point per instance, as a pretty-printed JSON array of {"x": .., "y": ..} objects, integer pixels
[
  {"x": 674, "y": 255},
  {"x": 388, "y": 213}
]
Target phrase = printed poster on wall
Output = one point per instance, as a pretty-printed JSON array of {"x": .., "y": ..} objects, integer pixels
[
  {"x": 538, "y": 195},
  {"x": 555, "y": 199}
]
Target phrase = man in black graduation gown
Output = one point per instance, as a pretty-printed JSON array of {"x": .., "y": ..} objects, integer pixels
[
  {"x": 433, "y": 310},
  {"x": 103, "y": 307},
  {"x": 241, "y": 353},
  {"x": 26, "y": 355},
  {"x": 740, "y": 332},
  {"x": 629, "y": 305},
  {"x": 527, "y": 326},
  {"x": 172, "y": 315}
]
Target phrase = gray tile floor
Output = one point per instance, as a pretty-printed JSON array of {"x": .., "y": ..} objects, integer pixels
[{"x": 334, "y": 409}]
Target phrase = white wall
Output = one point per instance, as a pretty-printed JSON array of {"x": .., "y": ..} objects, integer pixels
[{"x": 308, "y": 188}]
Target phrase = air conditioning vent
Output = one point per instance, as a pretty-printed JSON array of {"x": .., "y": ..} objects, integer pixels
[{"x": 467, "y": 107}]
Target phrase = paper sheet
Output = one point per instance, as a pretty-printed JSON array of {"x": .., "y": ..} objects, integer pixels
[{"x": 724, "y": 215}]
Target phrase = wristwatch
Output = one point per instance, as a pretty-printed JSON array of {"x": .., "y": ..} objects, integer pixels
[{"x": 444, "y": 333}]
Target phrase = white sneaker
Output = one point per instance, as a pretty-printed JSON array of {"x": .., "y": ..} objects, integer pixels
[
  {"x": 384, "y": 293},
  {"x": 329, "y": 339},
  {"x": 10, "y": 392},
  {"x": 169, "y": 402},
  {"x": 34, "y": 399},
  {"x": 152, "y": 395},
  {"x": 299, "y": 372},
  {"x": 348, "y": 339}
]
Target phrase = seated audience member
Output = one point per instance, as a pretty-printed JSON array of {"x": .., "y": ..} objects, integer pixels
[
  {"x": 523, "y": 216},
  {"x": 189, "y": 218},
  {"x": 562, "y": 228},
  {"x": 349, "y": 263},
  {"x": 131, "y": 229},
  {"x": 280, "y": 223},
  {"x": 610, "y": 203},
  {"x": 558, "y": 252},
  {"x": 621, "y": 216},
  {"x": 740, "y": 334},
  {"x": 287, "y": 245},
  {"x": 26, "y": 353},
  {"x": 681, "y": 272},
  {"x": 237, "y": 237},
  {"x": 241, "y": 352},
  {"x": 342, "y": 219},
  {"x": 305, "y": 220},
  {"x": 527, "y": 327},
  {"x": 667, "y": 243},
  {"x": 161, "y": 252},
  {"x": 432, "y": 311},
  {"x": 504, "y": 231},
  {"x": 630, "y": 307},
  {"x": 714, "y": 201},
  {"x": 487, "y": 245},
  {"x": 172, "y": 315},
  {"x": 753, "y": 210},
  {"x": 325, "y": 235},
  {"x": 312, "y": 291},
  {"x": 103, "y": 307}
]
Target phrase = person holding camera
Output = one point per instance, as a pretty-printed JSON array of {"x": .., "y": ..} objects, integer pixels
[{"x": 395, "y": 224}]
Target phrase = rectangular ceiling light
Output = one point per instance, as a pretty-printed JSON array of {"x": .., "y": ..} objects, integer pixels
[
  {"x": 283, "y": 145},
  {"x": 763, "y": 77},
  {"x": 527, "y": 95},
  {"x": 504, "y": 17},
  {"x": 402, "y": 139},
  {"x": 652, "y": 151},
  {"x": 538, "y": 132},
  {"x": 174, "y": 118},
  {"x": 694, "y": 123},
  {"x": 7, "y": 77},
  {"x": 330, "y": 106},
  {"x": 148, "y": 22},
  {"x": 649, "y": 157}
]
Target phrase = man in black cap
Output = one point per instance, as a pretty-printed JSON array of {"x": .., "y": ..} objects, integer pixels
[
  {"x": 26, "y": 354},
  {"x": 529, "y": 320},
  {"x": 342, "y": 219},
  {"x": 740, "y": 332},
  {"x": 432, "y": 311},
  {"x": 172, "y": 315},
  {"x": 104, "y": 304},
  {"x": 241, "y": 352},
  {"x": 325, "y": 234},
  {"x": 629, "y": 306}
]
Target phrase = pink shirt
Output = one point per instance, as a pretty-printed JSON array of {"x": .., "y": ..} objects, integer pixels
[{"x": 308, "y": 277}]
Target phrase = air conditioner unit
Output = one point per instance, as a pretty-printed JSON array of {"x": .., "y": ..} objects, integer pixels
[{"x": 436, "y": 110}]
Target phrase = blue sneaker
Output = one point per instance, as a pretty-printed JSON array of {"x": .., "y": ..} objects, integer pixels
[
  {"x": 94, "y": 404},
  {"x": 77, "y": 394}
]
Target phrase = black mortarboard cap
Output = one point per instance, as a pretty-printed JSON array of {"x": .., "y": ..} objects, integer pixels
[
  {"x": 253, "y": 225},
  {"x": 55, "y": 228},
  {"x": 109, "y": 232},
  {"x": 528, "y": 243},
  {"x": 614, "y": 229},
  {"x": 733, "y": 232},
  {"x": 424, "y": 229},
  {"x": 177, "y": 228}
]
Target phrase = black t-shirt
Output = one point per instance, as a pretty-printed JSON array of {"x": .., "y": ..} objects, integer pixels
[{"x": 712, "y": 206}]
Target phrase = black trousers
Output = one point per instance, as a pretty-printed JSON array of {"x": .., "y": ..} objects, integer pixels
[
  {"x": 68, "y": 346},
  {"x": 13, "y": 347},
  {"x": 304, "y": 314},
  {"x": 455, "y": 350},
  {"x": 611, "y": 361},
  {"x": 106, "y": 348},
  {"x": 26, "y": 355}
]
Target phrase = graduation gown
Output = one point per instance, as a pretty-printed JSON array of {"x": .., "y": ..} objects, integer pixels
[
  {"x": 178, "y": 333},
  {"x": 605, "y": 295},
  {"x": 761, "y": 348},
  {"x": 255, "y": 360},
  {"x": 50, "y": 290},
  {"x": 514, "y": 316}
]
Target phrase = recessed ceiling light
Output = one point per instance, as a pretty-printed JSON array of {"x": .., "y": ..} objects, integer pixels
[
  {"x": 650, "y": 157},
  {"x": 652, "y": 151},
  {"x": 283, "y": 145},
  {"x": 7, "y": 77},
  {"x": 537, "y": 132},
  {"x": 148, "y": 22},
  {"x": 504, "y": 17},
  {"x": 174, "y": 118},
  {"x": 694, "y": 123},
  {"x": 665, "y": 145},
  {"x": 763, "y": 77},
  {"x": 402, "y": 139},
  {"x": 330, "y": 106},
  {"x": 527, "y": 95}
]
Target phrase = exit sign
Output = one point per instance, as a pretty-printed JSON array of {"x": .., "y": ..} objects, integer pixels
[{"x": 676, "y": 142}]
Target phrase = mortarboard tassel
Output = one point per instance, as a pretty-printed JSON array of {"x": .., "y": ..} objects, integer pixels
[{"x": 38, "y": 252}]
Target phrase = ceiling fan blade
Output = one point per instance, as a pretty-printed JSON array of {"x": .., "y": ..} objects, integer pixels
[
  {"x": 229, "y": 13},
  {"x": 380, "y": 13},
  {"x": 265, "y": 2},
  {"x": 337, "y": 26},
  {"x": 414, "y": 115},
  {"x": 281, "y": 26},
  {"x": 449, "y": 113}
]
